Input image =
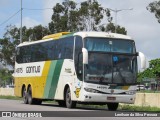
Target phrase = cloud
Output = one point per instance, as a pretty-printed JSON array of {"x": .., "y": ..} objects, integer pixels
[
  {"x": 5, "y": 3},
  {"x": 28, "y": 22}
]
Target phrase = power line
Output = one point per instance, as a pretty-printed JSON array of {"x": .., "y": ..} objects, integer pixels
[
  {"x": 23, "y": 9},
  {"x": 10, "y": 17},
  {"x": 37, "y": 8}
]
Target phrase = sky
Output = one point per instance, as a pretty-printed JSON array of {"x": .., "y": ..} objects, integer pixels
[{"x": 140, "y": 24}]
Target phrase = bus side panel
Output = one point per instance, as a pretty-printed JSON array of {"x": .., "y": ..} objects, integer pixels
[
  {"x": 37, "y": 82},
  {"x": 52, "y": 79},
  {"x": 66, "y": 77},
  {"x": 17, "y": 88},
  {"x": 51, "y": 83},
  {"x": 61, "y": 73}
]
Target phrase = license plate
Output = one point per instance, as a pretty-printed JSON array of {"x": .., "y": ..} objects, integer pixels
[{"x": 111, "y": 98}]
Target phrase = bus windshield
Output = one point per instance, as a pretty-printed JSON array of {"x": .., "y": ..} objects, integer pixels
[
  {"x": 108, "y": 62},
  {"x": 110, "y": 45}
]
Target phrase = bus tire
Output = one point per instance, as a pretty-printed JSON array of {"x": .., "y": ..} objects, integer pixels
[
  {"x": 25, "y": 96},
  {"x": 30, "y": 99},
  {"x": 112, "y": 106},
  {"x": 69, "y": 102}
]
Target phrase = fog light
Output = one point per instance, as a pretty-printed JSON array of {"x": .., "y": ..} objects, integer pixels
[{"x": 86, "y": 96}]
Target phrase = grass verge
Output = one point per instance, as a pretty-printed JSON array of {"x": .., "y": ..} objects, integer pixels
[
  {"x": 139, "y": 108},
  {"x": 148, "y": 91},
  {"x": 10, "y": 97},
  {"x": 125, "y": 107}
]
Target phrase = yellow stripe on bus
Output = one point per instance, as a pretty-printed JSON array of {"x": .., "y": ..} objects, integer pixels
[{"x": 46, "y": 68}]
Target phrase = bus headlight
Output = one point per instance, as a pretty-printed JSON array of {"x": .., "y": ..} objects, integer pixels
[
  {"x": 91, "y": 90},
  {"x": 131, "y": 92}
]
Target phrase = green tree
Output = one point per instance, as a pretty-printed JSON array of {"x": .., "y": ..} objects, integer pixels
[
  {"x": 88, "y": 16},
  {"x": 111, "y": 28},
  {"x": 91, "y": 15},
  {"x": 154, "y": 7},
  {"x": 155, "y": 66},
  {"x": 153, "y": 71},
  {"x": 64, "y": 16},
  {"x": 68, "y": 17},
  {"x": 5, "y": 77},
  {"x": 7, "y": 52},
  {"x": 11, "y": 40},
  {"x": 35, "y": 33}
]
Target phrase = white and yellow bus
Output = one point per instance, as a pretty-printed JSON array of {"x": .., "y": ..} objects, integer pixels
[{"x": 83, "y": 67}]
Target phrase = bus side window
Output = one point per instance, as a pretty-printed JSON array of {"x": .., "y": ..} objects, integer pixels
[
  {"x": 26, "y": 54},
  {"x": 56, "y": 50},
  {"x": 18, "y": 55},
  {"x": 67, "y": 48}
]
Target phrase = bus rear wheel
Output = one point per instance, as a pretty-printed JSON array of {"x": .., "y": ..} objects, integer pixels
[
  {"x": 112, "y": 106},
  {"x": 69, "y": 102},
  {"x": 30, "y": 99},
  {"x": 25, "y": 96}
]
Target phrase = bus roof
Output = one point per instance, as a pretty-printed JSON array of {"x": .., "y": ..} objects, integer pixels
[
  {"x": 102, "y": 34},
  {"x": 82, "y": 34},
  {"x": 57, "y": 35}
]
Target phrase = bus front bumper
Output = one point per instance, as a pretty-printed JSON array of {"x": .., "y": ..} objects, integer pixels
[{"x": 116, "y": 98}]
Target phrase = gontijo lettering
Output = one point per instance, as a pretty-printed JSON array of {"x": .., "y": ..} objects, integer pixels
[{"x": 33, "y": 69}]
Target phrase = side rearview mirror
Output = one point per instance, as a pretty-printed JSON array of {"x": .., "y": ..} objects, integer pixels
[
  {"x": 142, "y": 59},
  {"x": 85, "y": 55}
]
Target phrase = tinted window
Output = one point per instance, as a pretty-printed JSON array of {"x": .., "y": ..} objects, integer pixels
[
  {"x": 106, "y": 68},
  {"x": 110, "y": 45},
  {"x": 50, "y": 50}
]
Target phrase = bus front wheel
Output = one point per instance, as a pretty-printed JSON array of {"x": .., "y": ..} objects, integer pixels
[
  {"x": 112, "y": 106},
  {"x": 69, "y": 102}
]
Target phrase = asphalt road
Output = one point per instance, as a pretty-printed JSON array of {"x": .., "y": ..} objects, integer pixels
[{"x": 18, "y": 109}]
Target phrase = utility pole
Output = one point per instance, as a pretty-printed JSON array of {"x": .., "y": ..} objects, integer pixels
[
  {"x": 116, "y": 11},
  {"x": 21, "y": 25}
]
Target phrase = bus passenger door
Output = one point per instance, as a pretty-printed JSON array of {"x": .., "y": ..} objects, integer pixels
[{"x": 77, "y": 85}]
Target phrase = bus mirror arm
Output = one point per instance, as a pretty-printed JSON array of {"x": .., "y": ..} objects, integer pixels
[
  {"x": 137, "y": 53},
  {"x": 85, "y": 55},
  {"x": 142, "y": 59}
]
